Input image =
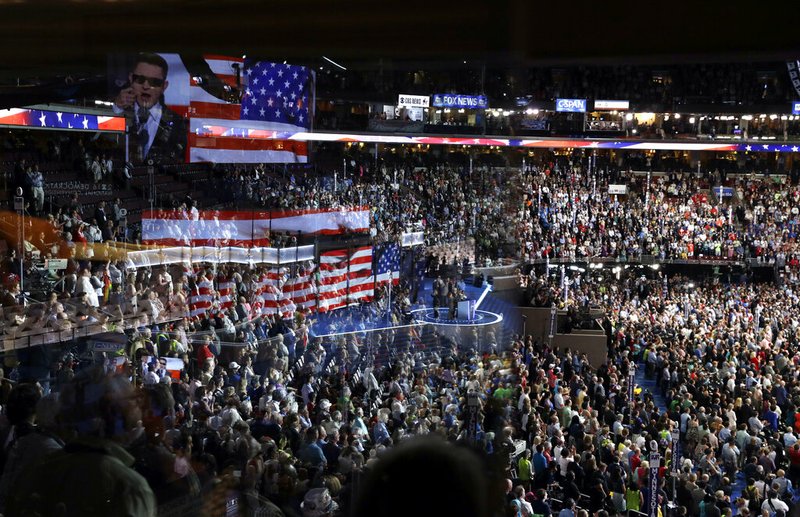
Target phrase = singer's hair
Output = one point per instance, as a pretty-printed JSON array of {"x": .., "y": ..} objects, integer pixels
[{"x": 153, "y": 59}]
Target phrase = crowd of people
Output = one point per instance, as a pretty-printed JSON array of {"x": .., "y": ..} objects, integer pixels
[
  {"x": 675, "y": 216},
  {"x": 236, "y": 403},
  {"x": 258, "y": 414}
]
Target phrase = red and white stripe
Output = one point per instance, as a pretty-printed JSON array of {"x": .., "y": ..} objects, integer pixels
[
  {"x": 200, "y": 301},
  {"x": 345, "y": 279},
  {"x": 272, "y": 299},
  {"x": 233, "y": 228},
  {"x": 227, "y": 294}
]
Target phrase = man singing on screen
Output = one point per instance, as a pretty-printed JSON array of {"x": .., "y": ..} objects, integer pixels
[{"x": 156, "y": 132}]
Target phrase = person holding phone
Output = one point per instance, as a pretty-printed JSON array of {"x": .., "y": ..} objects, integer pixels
[{"x": 157, "y": 133}]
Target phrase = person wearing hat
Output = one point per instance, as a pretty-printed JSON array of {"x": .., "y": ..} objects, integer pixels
[{"x": 234, "y": 375}]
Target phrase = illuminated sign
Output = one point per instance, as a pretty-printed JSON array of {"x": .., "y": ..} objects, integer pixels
[
  {"x": 611, "y": 105},
  {"x": 796, "y": 108},
  {"x": 571, "y": 105},
  {"x": 413, "y": 101},
  {"x": 452, "y": 100}
]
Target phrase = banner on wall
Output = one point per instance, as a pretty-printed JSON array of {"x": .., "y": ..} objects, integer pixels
[
  {"x": 247, "y": 228},
  {"x": 32, "y": 118}
]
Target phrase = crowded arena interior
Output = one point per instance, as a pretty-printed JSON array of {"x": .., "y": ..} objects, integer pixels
[{"x": 249, "y": 274}]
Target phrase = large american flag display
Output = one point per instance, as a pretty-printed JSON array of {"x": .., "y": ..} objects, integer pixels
[{"x": 273, "y": 97}]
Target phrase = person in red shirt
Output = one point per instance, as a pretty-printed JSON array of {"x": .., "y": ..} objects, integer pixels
[
  {"x": 204, "y": 352},
  {"x": 794, "y": 461}
]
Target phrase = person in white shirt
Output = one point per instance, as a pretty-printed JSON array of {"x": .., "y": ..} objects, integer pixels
[
  {"x": 772, "y": 503},
  {"x": 84, "y": 285}
]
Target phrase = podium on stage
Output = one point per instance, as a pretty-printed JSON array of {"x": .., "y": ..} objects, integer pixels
[{"x": 466, "y": 310}]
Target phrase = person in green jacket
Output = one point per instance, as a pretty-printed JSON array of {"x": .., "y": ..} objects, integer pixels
[
  {"x": 524, "y": 469},
  {"x": 633, "y": 498}
]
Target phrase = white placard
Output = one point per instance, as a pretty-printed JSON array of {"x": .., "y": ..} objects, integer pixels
[
  {"x": 617, "y": 189},
  {"x": 611, "y": 105},
  {"x": 413, "y": 101}
]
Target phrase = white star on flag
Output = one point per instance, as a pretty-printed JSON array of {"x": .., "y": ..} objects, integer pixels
[
  {"x": 269, "y": 102},
  {"x": 295, "y": 75},
  {"x": 765, "y": 146},
  {"x": 246, "y": 110},
  {"x": 277, "y": 113},
  {"x": 279, "y": 93},
  {"x": 249, "y": 71},
  {"x": 42, "y": 119},
  {"x": 748, "y": 148},
  {"x": 85, "y": 123},
  {"x": 59, "y": 114},
  {"x": 286, "y": 85},
  {"x": 255, "y": 81},
  {"x": 262, "y": 111},
  {"x": 271, "y": 82},
  {"x": 280, "y": 73},
  {"x": 263, "y": 91},
  {"x": 794, "y": 149}
]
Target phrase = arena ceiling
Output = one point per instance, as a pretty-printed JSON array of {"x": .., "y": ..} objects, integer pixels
[{"x": 44, "y": 43}]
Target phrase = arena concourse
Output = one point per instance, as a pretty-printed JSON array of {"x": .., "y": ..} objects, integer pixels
[{"x": 484, "y": 291}]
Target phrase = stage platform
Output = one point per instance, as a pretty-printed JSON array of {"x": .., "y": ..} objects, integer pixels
[{"x": 361, "y": 319}]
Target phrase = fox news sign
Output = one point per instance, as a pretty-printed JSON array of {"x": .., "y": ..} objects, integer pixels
[
  {"x": 452, "y": 100},
  {"x": 571, "y": 105}
]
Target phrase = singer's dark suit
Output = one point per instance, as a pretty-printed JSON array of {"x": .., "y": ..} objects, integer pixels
[{"x": 169, "y": 144}]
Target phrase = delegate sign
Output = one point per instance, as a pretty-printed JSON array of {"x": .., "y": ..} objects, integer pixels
[
  {"x": 571, "y": 105},
  {"x": 452, "y": 100}
]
